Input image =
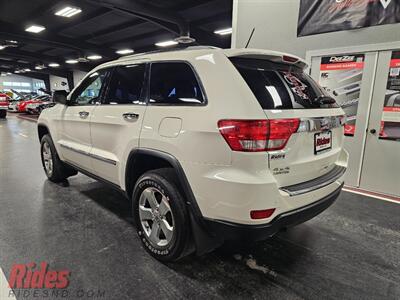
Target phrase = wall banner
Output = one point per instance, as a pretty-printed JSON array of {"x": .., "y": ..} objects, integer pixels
[
  {"x": 320, "y": 16},
  {"x": 341, "y": 77},
  {"x": 390, "y": 123}
]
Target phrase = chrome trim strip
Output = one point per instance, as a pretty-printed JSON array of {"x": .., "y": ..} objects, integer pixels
[
  {"x": 315, "y": 184},
  {"x": 107, "y": 160},
  {"x": 321, "y": 123}
]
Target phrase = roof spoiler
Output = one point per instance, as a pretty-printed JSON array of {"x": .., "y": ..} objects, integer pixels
[{"x": 274, "y": 56}]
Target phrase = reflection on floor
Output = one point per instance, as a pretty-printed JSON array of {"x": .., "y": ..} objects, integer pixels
[{"x": 351, "y": 251}]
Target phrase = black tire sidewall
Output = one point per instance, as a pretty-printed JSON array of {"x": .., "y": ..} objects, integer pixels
[
  {"x": 177, "y": 246},
  {"x": 58, "y": 173}
]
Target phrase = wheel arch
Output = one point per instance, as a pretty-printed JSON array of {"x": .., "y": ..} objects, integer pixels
[
  {"x": 42, "y": 130},
  {"x": 142, "y": 160}
]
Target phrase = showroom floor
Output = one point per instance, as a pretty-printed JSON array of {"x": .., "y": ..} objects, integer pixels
[{"x": 351, "y": 251}]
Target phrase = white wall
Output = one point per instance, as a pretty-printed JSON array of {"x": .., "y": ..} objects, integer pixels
[
  {"x": 276, "y": 29},
  {"x": 78, "y": 76},
  {"x": 56, "y": 83}
]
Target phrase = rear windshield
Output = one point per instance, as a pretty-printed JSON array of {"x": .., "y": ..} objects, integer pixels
[{"x": 281, "y": 86}]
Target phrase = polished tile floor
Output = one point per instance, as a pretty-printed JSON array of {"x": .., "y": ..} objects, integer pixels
[{"x": 351, "y": 251}]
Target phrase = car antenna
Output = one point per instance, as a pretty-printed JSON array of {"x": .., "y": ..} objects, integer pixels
[{"x": 251, "y": 35}]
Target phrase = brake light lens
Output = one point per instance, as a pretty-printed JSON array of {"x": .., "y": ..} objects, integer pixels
[
  {"x": 257, "y": 135},
  {"x": 289, "y": 59}
]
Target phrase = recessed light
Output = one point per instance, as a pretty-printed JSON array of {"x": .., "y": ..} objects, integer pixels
[
  {"x": 9, "y": 73},
  {"x": 223, "y": 31},
  {"x": 71, "y": 61},
  {"x": 27, "y": 70},
  {"x": 35, "y": 28},
  {"x": 124, "y": 51},
  {"x": 166, "y": 43},
  {"x": 2, "y": 47},
  {"x": 94, "y": 57},
  {"x": 16, "y": 71},
  {"x": 68, "y": 11},
  {"x": 54, "y": 65},
  {"x": 12, "y": 41}
]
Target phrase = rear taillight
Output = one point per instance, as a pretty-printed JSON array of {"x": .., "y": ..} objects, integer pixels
[{"x": 257, "y": 135}]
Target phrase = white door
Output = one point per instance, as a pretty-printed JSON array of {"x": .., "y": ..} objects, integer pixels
[
  {"x": 117, "y": 122},
  {"x": 75, "y": 139},
  {"x": 381, "y": 166}
]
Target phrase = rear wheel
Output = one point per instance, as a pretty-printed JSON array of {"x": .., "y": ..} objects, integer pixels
[
  {"x": 3, "y": 114},
  {"x": 54, "y": 168},
  {"x": 161, "y": 216}
]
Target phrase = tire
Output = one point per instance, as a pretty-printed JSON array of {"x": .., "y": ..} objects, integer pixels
[
  {"x": 168, "y": 216},
  {"x": 55, "y": 169},
  {"x": 3, "y": 114}
]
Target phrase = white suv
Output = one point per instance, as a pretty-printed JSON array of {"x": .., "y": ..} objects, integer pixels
[{"x": 210, "y": 145}]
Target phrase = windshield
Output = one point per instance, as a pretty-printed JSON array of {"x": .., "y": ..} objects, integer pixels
[{"x": 281, "y": 86}]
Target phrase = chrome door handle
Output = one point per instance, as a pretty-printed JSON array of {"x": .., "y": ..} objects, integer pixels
[
  {"x": 83, "y": 114},
  {"x": 130, "y": 116}
]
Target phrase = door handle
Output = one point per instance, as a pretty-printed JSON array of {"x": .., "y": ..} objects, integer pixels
[
  {"x": 372, "y": 131},
  {"x": 130, "y": 116},
  {"x": 83, "y": 114}
]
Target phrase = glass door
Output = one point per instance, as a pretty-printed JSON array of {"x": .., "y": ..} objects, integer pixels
[
  {"x": 349, "y": 78},
  {"x": 381, "y": 162}
]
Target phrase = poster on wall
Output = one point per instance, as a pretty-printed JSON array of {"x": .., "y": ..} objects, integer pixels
[
  {"x": 321, "y": 16},
  {"x": 341, "y": 77},
  {"x": 390, "y": 122}
]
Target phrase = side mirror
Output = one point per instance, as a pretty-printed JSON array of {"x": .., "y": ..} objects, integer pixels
[{"x": 60, "y": 97}]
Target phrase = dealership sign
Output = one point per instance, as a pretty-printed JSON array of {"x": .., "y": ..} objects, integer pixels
[{"x": 320, "y": 16}]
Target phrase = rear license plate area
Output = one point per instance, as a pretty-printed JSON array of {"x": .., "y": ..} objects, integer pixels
[{"x": 322, "y": 142}]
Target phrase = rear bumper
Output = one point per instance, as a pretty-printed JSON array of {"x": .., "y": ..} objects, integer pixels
[{"x": 228, "y": 231}]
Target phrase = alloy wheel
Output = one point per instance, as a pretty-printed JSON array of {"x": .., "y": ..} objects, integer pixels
[{"x": 156, "y": 217}]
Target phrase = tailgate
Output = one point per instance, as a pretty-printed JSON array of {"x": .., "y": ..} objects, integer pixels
[{"x": 312, "y": 151}]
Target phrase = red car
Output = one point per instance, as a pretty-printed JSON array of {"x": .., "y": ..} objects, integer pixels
[
  {"x": 3, "y": 105},
  {"x": 21, "y": 106}
]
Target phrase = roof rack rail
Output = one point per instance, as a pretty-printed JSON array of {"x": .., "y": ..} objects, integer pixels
[{"x": 178, "y": 48}]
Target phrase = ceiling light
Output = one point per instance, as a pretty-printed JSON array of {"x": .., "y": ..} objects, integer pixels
[
  {"x": 54, "y": 65},
  {"x": 16, "y": 71},
  {"x": 68, "y": 12},
  {"x": 35, "y": 28},
  {"x": 2, "y": 47},
  {"x": 94, "y": 57},
  {"x": 72, "y": 61},
  {"x": 124, "y": 51},
  {"x": 27, "y": 70},
  {"x": 12, "y": 41},
  {"x": 166, "y": 43},
  {"x": 9, "y": 73},
  {"x": 223, "y": 31},
  {"x": 39, "y": 67}
]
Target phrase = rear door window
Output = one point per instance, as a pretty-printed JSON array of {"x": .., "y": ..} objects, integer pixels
[
  {"x": 174, "y": 83},
  {"x": 126, "y": 85},
  {"x": 281, "y": 86}
]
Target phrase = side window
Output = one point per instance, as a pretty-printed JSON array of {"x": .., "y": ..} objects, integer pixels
[
  {"x": 126, "y": 85},
  {"x": 173, "y": 84},
  {"x": 88, "y": 93}
]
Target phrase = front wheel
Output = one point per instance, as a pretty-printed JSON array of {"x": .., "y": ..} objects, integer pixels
[
  {"x": 161, "y": 216},
  {"x": 54, "y": 168}
]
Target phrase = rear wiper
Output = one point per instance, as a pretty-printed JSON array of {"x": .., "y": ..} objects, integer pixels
[{"x": 324, "y": 100}]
